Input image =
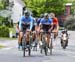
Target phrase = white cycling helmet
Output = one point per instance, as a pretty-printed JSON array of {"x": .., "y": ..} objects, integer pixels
[{"x": 46, "y": 14}]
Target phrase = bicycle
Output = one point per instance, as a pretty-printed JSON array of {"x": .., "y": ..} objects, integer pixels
[
  {"x": 34, "y": 41},
  {"x": 64, "y": 40},
  {"x": 46, "y": 45},
  {"x": 26, "y": 44}
]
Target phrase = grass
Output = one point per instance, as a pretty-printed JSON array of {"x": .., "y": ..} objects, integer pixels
[
  {"x": 6, "y": 38},
  {"x": 13, "y": 30},
  {"x": 1, "y": 46}
]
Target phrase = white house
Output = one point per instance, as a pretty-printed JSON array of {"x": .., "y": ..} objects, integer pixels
[{"x": 17, "y": 10}]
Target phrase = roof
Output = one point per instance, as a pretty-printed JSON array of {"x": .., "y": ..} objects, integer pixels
[
  {"x": 68, "y": 4},
  {"x": 20, "y": 2}
]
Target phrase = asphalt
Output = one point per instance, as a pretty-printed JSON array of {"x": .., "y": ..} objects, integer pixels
[{"x": 12, "y": 54}]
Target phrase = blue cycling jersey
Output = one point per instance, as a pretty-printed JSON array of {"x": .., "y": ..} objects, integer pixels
[
  {"x": 38, "y": 21},
  {"x": 26, "y": 20},
  {"x": 44, "y": 21}
]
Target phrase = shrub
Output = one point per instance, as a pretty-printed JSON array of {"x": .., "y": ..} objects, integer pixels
[
  {"x": 6, "y": 22},
  {"x": 4, "y": 31},
  {"x": 73, "y": 26},
  {"x": 70, "y": 23}
]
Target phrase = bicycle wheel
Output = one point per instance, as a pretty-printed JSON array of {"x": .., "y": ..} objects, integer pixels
[
  {"x": 23, "y": 46},
  {"x": 23, "y": 52},
  {"x": 29, "y": 51},
  {"x": 64, "y": 44},
  {"x": 41, "y": 49},
  {"x": 51, "y": 46},
  {"x": 45, "y": 49}
]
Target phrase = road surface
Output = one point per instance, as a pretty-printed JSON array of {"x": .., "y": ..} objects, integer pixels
[{"x": 12, "y": 54}]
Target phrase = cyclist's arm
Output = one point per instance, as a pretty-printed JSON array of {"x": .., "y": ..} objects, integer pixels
[
  {"x": 51, "y": 27},
  {"x": 20, "y": 23},
  {"x": 51, "y": 23},
  {"x": 31, "y": 24},
  {"x": 40, "y": 24},
  {"x": 57, "y": 25}
]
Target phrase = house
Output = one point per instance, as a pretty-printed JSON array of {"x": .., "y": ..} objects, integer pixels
[{"x": 17, "y": 10}]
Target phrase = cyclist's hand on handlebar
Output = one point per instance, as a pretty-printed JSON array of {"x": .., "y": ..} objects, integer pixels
[
  {"x": 41, "y": 30},
  {"x": 20, "y": 30},
  {"x": 28, "y": 30},
  {"x": 49, "y": 30}
]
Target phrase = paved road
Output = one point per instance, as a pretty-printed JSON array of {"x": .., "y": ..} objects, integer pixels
[{"x": 11, "y": 53}]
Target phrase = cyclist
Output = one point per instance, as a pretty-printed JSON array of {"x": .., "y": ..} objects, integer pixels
[
  {"x": 64, "y": 36},
  {"x": 17, "y": 29},
  {"x": 46, "y": 24},
  {"x": 23, "y": 20},
  {"x": 55, "y": 24},
  {"x": 37, "y": 28}
]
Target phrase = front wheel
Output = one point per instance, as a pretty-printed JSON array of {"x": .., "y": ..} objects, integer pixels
[
  {"x": 51, "y": 46},
  {"x": 29, "y": 51},
  {"x": 64, "y": 44},
  {"x": 41, "y": 49},
  {"x": 45, "y": 49},
  {"x": 23, "y": 52},
  {"x": 23, "y": 46}
]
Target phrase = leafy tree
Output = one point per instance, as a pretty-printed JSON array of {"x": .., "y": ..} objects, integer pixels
[
  {"x": 42, "y": 6},
  {"x": 3, "y": 4}
]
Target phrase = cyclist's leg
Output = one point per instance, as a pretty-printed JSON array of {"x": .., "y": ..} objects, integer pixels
[
  {"x": 33, "y": 35},
  {"x": 39, "y": 36},
  {"x": 27, "y": 37},
  {"x": 48, "y": 39},
  {"x": 20, "y": 39}
]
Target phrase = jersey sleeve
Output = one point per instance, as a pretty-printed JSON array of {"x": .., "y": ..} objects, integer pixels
[
  {"x": 57, "y": 20},
  {"x": 41, "y": 21},
  {"x": 51, "y": 21},
  {"x": 31, "y": 23},
  {"x": 20, "y": 22}
]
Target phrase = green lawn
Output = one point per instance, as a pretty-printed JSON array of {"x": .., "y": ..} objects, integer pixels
[
  {"x": 13, "y": 30},
  {"x": 6, "y": 38},
  {"x": 1, "y": 46}
]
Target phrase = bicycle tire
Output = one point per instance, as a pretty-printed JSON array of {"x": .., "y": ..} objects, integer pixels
[
  {"x": 45, "y": 49},
  {"x": 23, "y": 46},
  {"x": 64, "y": 45},
  {"x": 51, "y": 47},
  {"x": 29, "y": 51}
]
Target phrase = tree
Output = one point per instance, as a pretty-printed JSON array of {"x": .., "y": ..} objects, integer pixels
[
  {"x": 42, "y": 6},
  {"x": 3, "y": 4}
]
